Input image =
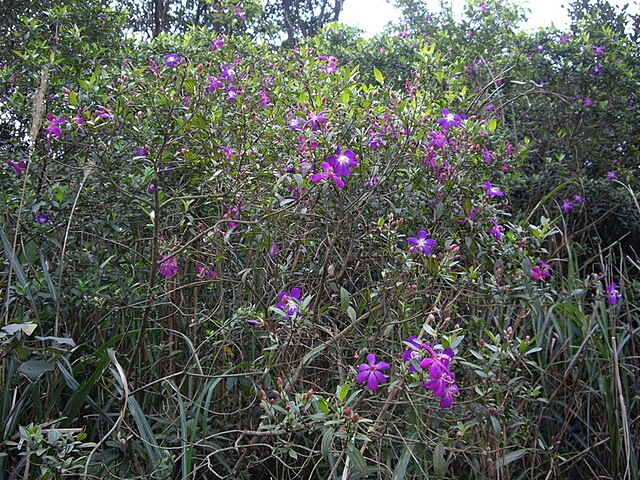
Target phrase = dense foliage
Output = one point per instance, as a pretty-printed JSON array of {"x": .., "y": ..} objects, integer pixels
[{"x": 412, "y": 256}]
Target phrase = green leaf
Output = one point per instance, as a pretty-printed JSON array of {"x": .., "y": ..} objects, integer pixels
[
  {"x": 357, "y": 460},
  {"x": 342, "y": 391},
  {"x": 327, "y": 441},
  {"x": 379, "y": 77},
  {"x": 34, "y": 369},
  {"x": 512, "y": 457},
  {"x": 401, "y": 468},
  {"x": 439, "y": 464},
  {"x": 344, "y": 299}
]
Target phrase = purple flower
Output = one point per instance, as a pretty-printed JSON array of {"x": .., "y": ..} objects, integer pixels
[
  {"x": 598, "y": 50},
  {"x": 53, "y": 130},
  {"x": 17, "y": 166},
  {"x": 414, "y": 352},
  {"x": 227, "y": 73},
  {"x": 438, "y": 362},
  {"x": 228, "y": 152},
  {"x": 487, "y": 155},
  {"x": 171, "y": 60},
  {"x": 539, "y": 48},
  {"x": 295, "y": 124},
  {"x": 41, "y": 219},
  {"x": 214, "y": 83},
  {"x": 232, "y": 94},
  {"x": 496, "y": 231},
  {"x": 264, "y": 98},
  {"x": 587, "y": 102},
  {"x": 450, "y": 119},
  {"x": 217, "y": 43},
  {"x": 289, "y": 303},
  {"x": 566, "y": 205},
  {"x": 577, "y": 198},
  {"x": 315, "y": 119},
  {"x": 273, "y": 250},
  {"x": 204, "y": 271},
  {"x": 168, "y": 266},
  {"x": 613, "y": 295},
  {"x": 493, "y": 191},
  {"x": 239, "y": 13},
  {"x": 422, "y": 243},
  {"x": 342, "y": 162},
  {"x": 375, "y": 142},
  {"x": 404, "y": 33},
  {"x": 445, "y": 387},
  {"x": 370, "y": 372},
  {"x": 328, "y": 173},
  {"x": 596, "y": 70},
  {"x": 541, "y": 271},
  {"x": 140, "y": 152},
  {"x": 234, "y": 213},
  {"x": 438, "y": 140},
  {"x": 612, "y": 175},
  {"x": 372, "y": 181},
  {"x": 102, "y": 112},
  {"x": 331, "y": 65},
  {"x": 564, "y": 38}
]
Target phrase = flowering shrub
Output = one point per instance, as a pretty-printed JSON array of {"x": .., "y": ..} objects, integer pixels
[{"x": 219, "y": 231}]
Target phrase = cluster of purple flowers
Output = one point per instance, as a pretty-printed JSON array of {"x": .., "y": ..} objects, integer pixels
[
  {"x": 226, "y": 77},
  {"x": 435, "y": 361},
  {"x": 542, "y": 271}
]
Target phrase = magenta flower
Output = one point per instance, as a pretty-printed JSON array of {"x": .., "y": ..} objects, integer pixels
[
  {"x": 228, "y": 152},
  {"x": 370, "y": 372},
  {"x": 414, "y": 352},
  {"x": 171, "y": 60},
  {"x": 289, "y": 303},
  {"x": 53, "y": 130},
  {"x": 612, "y": 175},
  {"x": 214, "y": 83},
  {"x": 232, "y": 94},
  {"x": 598, "y": 50},
  {"x": 264, "y": 98},
  {"x": 217, "y": 43},
  {"x": 450, "y": 119},
  {"x": 240, "y": 13},
  {"x": 204, "y": 271},
  {"x": 438, "y": 140},
  {"x": 294, "y": 124},
  {"x": 587, "y": 102},
  {"x": 227, "y": 73},
  {"x": 493, "y": 191},
  {"x": 542, "y": 271},
  {"x": 438, "y": 362},
  {"x": 17, "y": 166},
  {"x": 565, "y": 38},
  {"x": 315, "y": 120},
  {"x": 422, "y": 243},
  {"x": 496, "y": 231},
  {"x": 444, "y": 387},
  {"x": 168, "y": 266},
  {"x": 328, "y": 173},
  {"x": 331, "y": 65},
  {"x": 577, "y": 198},
  {"x": 342, "y": 162},
  {"x": 273, "y": 250},
  {"x": 566, "y": 205},
  {"x": 613, "y": 295}
]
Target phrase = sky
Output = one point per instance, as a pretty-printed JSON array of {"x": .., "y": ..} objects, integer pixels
[{"x": 373, "y": 15}]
